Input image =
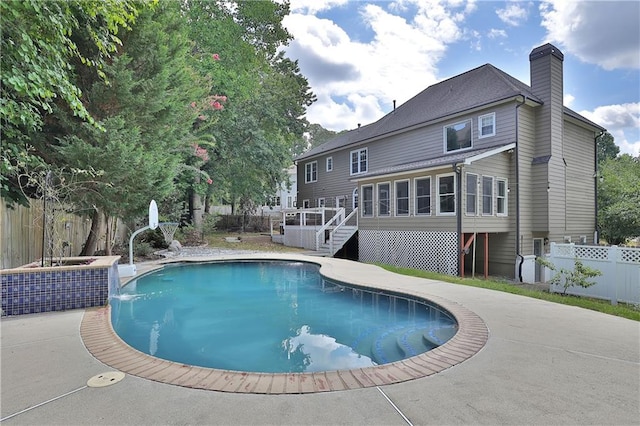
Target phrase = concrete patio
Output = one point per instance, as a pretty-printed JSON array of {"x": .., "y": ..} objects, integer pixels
[{"x": 543, "y": 363}]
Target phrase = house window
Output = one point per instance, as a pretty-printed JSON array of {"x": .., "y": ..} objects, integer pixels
[
  {"x": 457, "y": 136},
  {"x": 355, "y": 198},
  {"x": 446, "y": 195},
  {"x": 402, "y": 198},
  {"x": 423, "y": 196},
  {"x": 359, "y": 161},
  {"x": 321, "y": 202},
  {"x": 311, "y": 172},
  {"x": 367, "y": 201},
  {"x": 487, "y": 195},
  {"x": 501, "y": 197},
  {"x": 289, "y": 201},
  {"x": 277, "y": 201},
  {"x": 472, "y": 194},
  {"x": 341, "y": 201},
  {"x": 305, "y": 204},
  {"x": 487, "y": 125},
  {"x": 384, "y": 199},
  {"x": 329, "y": 164}
]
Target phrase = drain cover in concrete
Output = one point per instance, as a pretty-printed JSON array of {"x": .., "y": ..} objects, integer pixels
[{"x": 105, "y": 379}]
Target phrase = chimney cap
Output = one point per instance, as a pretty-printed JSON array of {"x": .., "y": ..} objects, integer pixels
[{"x": 545, "y": 50}]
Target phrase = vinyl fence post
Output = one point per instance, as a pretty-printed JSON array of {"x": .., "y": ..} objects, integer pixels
[{"x": 613, "y": 267}]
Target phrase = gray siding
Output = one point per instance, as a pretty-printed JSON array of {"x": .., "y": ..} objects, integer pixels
[
  {"x": 580, "y": 187},
  {"x": 407, "y": 147}
]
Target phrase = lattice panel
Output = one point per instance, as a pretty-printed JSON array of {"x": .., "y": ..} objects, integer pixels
[
  {"x": 429, "y": 251},
  {"x": 631, "y": 255},
  {"x": 591, "y": 252}
]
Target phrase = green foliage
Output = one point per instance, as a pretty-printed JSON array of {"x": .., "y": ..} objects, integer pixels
[
  {"x": 39, "y": 47},
  {"x": 319, "y": 135},
  {"x": 619, "y": 199},
  {"x": 606, "y": 148},
  {"x": 578, "y": 276}
]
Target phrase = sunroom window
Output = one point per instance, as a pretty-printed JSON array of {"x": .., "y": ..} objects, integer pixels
[
  {"x": 446, "y": 194},
  {"x": 367, "y": 201}
]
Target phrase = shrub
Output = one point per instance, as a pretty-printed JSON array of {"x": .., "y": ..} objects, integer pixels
[{"x": 579, "y": 276}]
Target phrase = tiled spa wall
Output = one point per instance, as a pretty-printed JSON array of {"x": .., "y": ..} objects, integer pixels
[{"x": 29, "y": 290}]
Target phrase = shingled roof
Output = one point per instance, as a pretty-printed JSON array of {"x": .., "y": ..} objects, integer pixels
[{"x": 480, "y": 86}]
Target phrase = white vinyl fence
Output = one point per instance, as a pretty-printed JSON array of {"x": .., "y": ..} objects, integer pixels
[{"x": 620, "y": 267}]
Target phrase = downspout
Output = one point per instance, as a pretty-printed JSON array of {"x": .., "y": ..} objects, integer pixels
[
  {"x": 458, "y": 169},
  {"x": 596, "y": 237},
  {"x": 517, "y": 171}
]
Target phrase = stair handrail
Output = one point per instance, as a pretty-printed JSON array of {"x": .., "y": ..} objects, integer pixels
[
  {"x": 340, "y": 225},
  {"x": 339, "y": 212}
]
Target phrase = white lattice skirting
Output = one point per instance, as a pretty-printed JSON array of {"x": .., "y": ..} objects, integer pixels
[{"x": 429, "y": 251}]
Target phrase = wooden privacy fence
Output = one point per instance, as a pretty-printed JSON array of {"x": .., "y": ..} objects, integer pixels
[
  {"x": 620, "y": 267},
  {"x": 21, "y": 234}
]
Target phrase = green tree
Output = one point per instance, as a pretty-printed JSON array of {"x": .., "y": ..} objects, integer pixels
[
  {"x": 39, "y": 44},
  {"x": 260, "y": 129},
  {"x": 318, "y": 135},
  {"x": 606, "y": 147},
  {"x": 619, "y": 199},
  {"x": 148, "y": 116},
  {"x": 580, "y": 275}
]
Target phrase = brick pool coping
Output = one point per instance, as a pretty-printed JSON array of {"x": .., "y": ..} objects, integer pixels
[{"x": 105, "y": 345}]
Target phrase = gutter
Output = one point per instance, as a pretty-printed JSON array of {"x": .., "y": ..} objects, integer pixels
[
  {"x": 517, "y": 171},
  {"x": 596, "y": 176},
  {"x": 458, "y": 169}
]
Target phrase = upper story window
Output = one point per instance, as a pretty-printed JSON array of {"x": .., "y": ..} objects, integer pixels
[
  {"x": 457, "y": 136},
  {"x": 359, "y": 161},
  {"x": 311, "y": 172},
  {"x": 472, "y": 194},
  {"x": 329, "y": 164},
  {"x": 446, "y": 195},
  {"x": 501, "y": 197},
  {"x": 487, "y": 125},
  {"x": 402, "y": 198},
  {"x": 367, "y": 201},
  {"x": 487, "y": 195},
  {"x": 384, "y": 199},
  {"x": 423, "y": 196}
]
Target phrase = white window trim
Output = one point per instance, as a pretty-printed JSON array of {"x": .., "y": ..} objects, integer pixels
[
  {"x": 366, "y": 150},
  {"x": 373, "y": 201},
  {"x": 395, "y": 198},
  {"x": 329, "y": 164},
  {"x": 466, "y": 194},
  {"x": 322, "y": 202},
  {"x": 444, "y": 135},
  {"x": 493, "y": 117},
  {"x": 306, "y": 204},
  {"x": 455, "y": 198},
  {"x": 306, "y": 175},
  {"x": 415, "y": 196},
  {"x": 355, "y": 201},
  {"x": 390, "y": 199},
  {"x": 493, "y": 195},
  {"x": 506, "y": 197}
]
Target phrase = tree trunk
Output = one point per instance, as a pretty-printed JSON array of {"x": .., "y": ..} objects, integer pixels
[{"x": 97, "y": 225}]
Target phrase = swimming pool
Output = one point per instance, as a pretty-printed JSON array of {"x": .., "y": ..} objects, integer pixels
[{"x": 272, "y": 317}]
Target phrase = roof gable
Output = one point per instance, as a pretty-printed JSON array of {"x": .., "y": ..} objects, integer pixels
[{"x": 480, "y": 86}]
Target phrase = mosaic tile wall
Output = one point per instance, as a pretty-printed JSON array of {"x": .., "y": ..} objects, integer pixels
[{"x": 34, "y": 292}]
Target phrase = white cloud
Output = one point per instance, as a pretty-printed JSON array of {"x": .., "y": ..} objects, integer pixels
[
  {"x": 495, "y": 33},
  {"x": 623, "y": 122},
  {"x": 568, "y": 99},
  {"x": 355, "y": 82},
  {"x": 314, "y": 6},
  {"x": 514, "y": 14},
  {"x": 598, "y": 32}
]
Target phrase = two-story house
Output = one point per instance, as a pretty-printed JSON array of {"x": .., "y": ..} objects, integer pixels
[{"x": 475, "y": 174}]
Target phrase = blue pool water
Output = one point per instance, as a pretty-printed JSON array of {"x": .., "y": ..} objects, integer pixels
[{"x": 272, "y": 317}]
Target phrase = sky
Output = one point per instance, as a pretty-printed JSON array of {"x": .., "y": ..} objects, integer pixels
[{"x": 360, "y": 56}]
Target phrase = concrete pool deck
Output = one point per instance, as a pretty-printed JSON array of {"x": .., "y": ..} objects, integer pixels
[{"x": 543, "y": 363}]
